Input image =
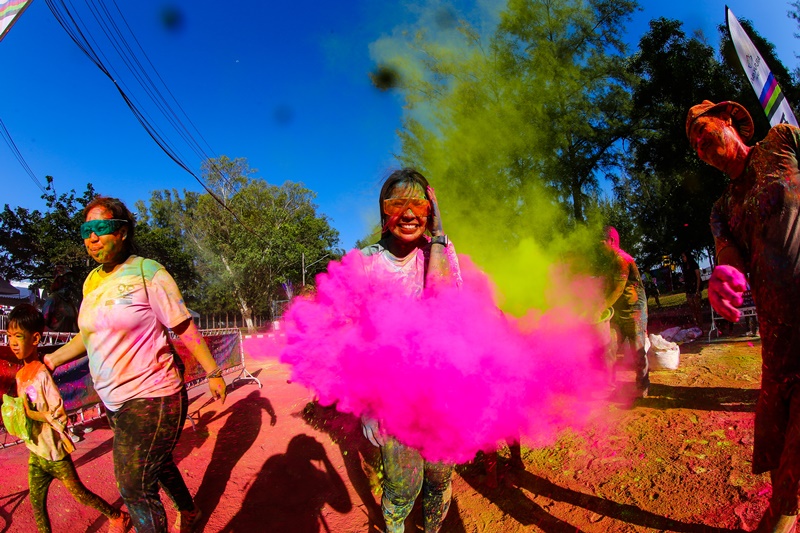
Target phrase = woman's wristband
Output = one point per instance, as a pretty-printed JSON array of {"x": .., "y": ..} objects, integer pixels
[
  {"x": 440, "y": 239},
  {"x": 216, "y": 373}
]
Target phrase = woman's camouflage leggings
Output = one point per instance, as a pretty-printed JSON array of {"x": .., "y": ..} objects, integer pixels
[
  {"x": 406, "y": 474},
  {"x": 146, "y": 431}
]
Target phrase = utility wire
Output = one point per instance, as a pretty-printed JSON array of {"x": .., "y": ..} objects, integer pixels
[
  {"x": 76, "y": 28},
  {"x": 13, "y": 146}
]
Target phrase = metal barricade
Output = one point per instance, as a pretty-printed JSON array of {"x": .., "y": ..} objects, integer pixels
[
  {"x": 77, "y": 390},
  {"x": 747, "y": 310}
]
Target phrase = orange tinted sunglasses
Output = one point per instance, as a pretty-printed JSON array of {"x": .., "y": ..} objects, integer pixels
[{"x": 396, "y": 206}]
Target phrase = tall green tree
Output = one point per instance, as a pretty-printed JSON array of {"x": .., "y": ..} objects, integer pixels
[
  {"x": 667, "y": 190},
  {"x": 516, "y": 124},
  {"x": 254, "y": 242},
  {"x": 542, "y": 98},
  {"x": 570, "y": 58},
  {"x": 160, "y": 236},
  {"x": 34, "y": 244}
]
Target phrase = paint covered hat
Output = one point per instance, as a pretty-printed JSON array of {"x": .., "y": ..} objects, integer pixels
[{"x": 741, "y": 119}]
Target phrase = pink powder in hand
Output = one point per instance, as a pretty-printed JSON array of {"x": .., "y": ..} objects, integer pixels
[{"x": 448, "y": 373}]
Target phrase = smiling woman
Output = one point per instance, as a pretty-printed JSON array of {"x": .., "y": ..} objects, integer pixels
[
  {"x": 105, "y": 237},
  {"x": 413, "y": 264},
  {"x": 128, "y": 304}
]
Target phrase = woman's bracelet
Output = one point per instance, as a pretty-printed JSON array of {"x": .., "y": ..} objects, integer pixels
[{"x": 216, "y": 373}]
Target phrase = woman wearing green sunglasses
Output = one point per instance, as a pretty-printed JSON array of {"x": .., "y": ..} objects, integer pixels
[{"x": 128, "y": 304}]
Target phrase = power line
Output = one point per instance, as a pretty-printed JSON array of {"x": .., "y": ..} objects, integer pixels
[
  {"x": 77, "y": 29},
  {"x": 13, "y": 146}
]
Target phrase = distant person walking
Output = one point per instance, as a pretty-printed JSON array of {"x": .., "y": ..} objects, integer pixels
[
  {"x": 651, "y": 288},
  {"x": 693, "y": 285},
  {"x": 60, "y": 311},
  {"x": 627, "y": 296}
]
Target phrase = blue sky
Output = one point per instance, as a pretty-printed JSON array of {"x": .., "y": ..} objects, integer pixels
[{"x": 282, "y": 84}]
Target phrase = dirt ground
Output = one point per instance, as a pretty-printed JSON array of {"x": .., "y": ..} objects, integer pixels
[{"x": 269, "y": 461}]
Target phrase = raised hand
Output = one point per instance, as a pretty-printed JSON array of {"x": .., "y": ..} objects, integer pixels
[{"x": 435, "y": 218}]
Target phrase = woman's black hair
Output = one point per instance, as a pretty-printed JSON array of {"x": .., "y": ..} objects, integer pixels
[
  {"x": 407, "y": 176},
  {"x": 120, "y": 212}
]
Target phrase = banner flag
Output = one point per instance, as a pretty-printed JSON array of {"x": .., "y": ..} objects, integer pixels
[
  {"x": 769, "y": 93},
  {"x": 10, "y": 10}
]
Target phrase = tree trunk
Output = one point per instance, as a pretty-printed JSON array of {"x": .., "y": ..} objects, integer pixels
[
  {"x": 577, "y": 201},
  {"x": 247, "y": 312}
]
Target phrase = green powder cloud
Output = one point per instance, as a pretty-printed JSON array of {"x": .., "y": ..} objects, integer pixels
[{"x": 479, "y": 132}]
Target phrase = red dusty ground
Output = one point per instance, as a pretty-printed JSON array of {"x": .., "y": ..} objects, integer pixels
[{"x": 268, "y": 461}]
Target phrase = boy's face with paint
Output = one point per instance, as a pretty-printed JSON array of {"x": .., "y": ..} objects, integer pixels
[
  {"x": 406, "y": 226},
  {"x": 104, "y": 249},
  {"x": 22, "y": 343},
  {"x": 715, "y": 140}
]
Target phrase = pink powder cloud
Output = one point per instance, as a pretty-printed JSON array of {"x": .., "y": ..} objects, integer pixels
[{"x": 448, "y": 373}]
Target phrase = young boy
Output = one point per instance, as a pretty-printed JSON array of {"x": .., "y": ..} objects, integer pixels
[{"x": 50, "y": 446}]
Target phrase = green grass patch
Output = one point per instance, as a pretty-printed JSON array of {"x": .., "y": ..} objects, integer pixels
[{"x": 673, "y": 300}]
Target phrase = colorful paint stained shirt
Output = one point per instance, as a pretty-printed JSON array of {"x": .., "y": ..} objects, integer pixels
[
  {"x": 122, "y": 321},
  {"x": 759, "y": 214},
  {"x": 633, "y": 301},
  {"x": 35, "y": 383},
  {"x": 408, "y": 272},
  {"x": 618, "y": 268}
]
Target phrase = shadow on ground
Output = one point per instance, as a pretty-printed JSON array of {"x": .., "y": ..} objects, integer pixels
[{"x": 511, "y": 498}]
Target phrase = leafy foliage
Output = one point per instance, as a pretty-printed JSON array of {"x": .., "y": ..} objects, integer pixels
[
  {"x": 247, "y": 249},
  {"x": 540, "y": 104},
  {"x": 35, "y": 244},
  {"x": 667, "y": 190}
]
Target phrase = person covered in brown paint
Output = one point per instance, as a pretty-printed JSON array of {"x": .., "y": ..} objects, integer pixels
[{"x": 756, "y": 228}]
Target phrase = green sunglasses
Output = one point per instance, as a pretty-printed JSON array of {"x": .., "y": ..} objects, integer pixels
[{"x": 101, "y": 227}]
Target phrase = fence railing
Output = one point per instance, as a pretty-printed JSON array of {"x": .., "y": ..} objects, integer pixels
[
  {"x": 228, "y": 320},
  {"x": 210, "y": 321},
  {"x": 77, "y": 389}
]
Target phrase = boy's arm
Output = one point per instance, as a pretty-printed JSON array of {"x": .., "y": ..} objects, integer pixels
[
  {"x": 36, "y": 416},
  {"x": 72, "y": 350},
  {"x": 54, "y": 402},
  {"x": 53, "y": 412},
  {"x": 41, "y": 416}
]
